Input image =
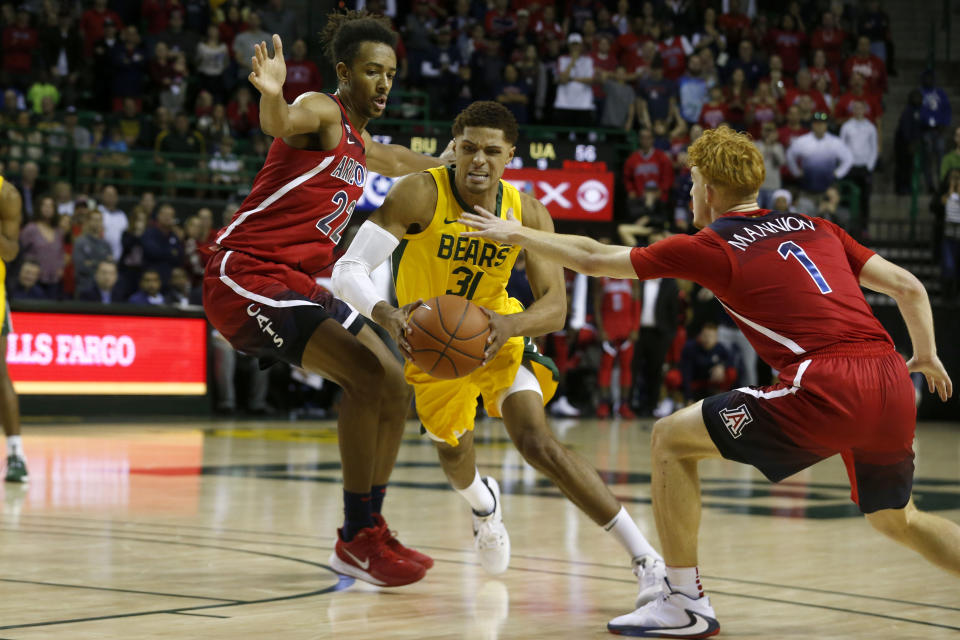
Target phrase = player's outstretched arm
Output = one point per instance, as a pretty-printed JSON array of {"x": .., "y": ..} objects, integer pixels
[
  {"x": 395, "y": 160},
  {"x": 579, "y": 253},
  {"x": 885, "y": 277},
  {"x": 11, "y": 213},
  {"x": 375, "y": 241},
  {"x": 308, "y": 113}
]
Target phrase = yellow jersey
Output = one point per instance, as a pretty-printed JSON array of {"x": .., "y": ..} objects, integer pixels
[{"x": 438, "y": 260}]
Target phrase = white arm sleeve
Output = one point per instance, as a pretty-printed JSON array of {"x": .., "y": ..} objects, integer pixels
[{"x": 351, "y": 275}]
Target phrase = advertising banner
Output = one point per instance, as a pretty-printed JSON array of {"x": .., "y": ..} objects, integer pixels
[{"x": 80, "y": 354}]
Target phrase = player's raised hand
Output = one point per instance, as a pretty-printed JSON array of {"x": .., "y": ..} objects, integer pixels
[
  {"x": 268, "y": 72},
  {"x": 490, "y": 226},
  {"x": 938, "y": 381}
]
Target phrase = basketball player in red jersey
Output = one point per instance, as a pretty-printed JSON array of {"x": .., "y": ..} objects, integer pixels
[
  {"x": 260, "y": 288},
  {"x": 792, "y": 284},
  {"x": 616, "y": 310}
]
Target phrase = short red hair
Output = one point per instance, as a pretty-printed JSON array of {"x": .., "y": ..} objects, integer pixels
[{"x": 728, "y": 160}]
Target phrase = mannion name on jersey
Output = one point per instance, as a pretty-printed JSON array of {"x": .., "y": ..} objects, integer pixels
[{"x": 749, "y": 233}]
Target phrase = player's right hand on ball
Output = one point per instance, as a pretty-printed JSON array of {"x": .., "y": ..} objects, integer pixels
[{"x": 394, "y": 320}]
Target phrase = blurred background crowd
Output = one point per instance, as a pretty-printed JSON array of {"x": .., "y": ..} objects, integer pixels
[{"x": 133, "y": 134}]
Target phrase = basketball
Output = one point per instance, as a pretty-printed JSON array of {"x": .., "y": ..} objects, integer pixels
[{"x": 447, "y": 336}]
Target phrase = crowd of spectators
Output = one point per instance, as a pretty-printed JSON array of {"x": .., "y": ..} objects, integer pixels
[{"x": 99, "y": 82}]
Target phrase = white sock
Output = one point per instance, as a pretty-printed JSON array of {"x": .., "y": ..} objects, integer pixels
[
  {"x": 14, "y": 446},
  {"x": 479, "y": 496},
  {"x": 625, "y": 530},
  {"x": 685, "y": 580}
]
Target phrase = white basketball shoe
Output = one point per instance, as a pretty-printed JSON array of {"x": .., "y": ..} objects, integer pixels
[
  {"x": 672, "y": 615},
  {"x": 490, "y": 537},
  {"x": 651, "y": 575}
]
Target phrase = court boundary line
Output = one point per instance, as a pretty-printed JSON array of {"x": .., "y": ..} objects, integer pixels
[
  {"x": 328, "y": 545},
  {"x": 340, "y": 584}
]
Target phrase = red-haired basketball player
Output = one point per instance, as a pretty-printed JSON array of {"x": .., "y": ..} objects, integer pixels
[
  {"x": 260, "y": 290},
  {"x": 792, "y": 283}
]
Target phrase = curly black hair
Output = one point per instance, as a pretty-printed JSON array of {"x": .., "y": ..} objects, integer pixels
[
  {"x": 486, "y": 113},
  {"x": 346, "y": 31}
]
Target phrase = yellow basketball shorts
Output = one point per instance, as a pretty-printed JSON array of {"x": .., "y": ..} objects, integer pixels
[{"x": 447, "y": 407}]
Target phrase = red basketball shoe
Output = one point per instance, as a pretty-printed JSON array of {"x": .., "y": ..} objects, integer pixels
[
  {"x": 626, "y": 412},
  {"x": 603, "y": 410},
  {"x": 368, "y": 557},
  {"x": 397, "y": 546}
]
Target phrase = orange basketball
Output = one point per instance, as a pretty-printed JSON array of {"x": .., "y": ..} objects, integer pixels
[{"x": 447, "y": 336}]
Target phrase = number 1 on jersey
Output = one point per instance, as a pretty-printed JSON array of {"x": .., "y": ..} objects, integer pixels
[{"x": 788, "y": 248}]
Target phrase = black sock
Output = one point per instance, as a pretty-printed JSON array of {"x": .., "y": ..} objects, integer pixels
[
  {"x": 377, "y": 493},
  {"x": 356, "y": 512}
]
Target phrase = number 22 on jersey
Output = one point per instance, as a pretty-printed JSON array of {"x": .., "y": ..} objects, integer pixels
[
  {"x": 343, "y": 203},
  {"x": 790, "y": 248}
]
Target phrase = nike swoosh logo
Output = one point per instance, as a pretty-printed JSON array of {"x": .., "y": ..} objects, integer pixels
[
  {"x": 349, "y": 141},
  {"x": 698, "y": 624},
  {"x": 454, "y": 221},
  {"x": 363, "y": 565}
]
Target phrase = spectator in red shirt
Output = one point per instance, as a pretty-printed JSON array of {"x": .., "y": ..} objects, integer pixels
[
  {"x": 858, "y": 93},
  {"x": 789, "y": 43},
  {"x": 714, "y": 112},
  {"x": 819, "y": 69},
  {"x": 155, "y": 14},
  {"x": 736, "y": 95},
  {"x": 230, "y": 27},
  {"x": 547, "y": 26},
  {"x": 647, "y": 163},
  {"x": 628, "y": 47},
  {"x": 829, "y": 37},
  {"x": 868, "y": 65},
  {"x": 19, "y": 42},
  {"x": 91, "y": 23},
  {"x": 793, "y": 128},
  {"x": 243, "y": 113},
  {"x": 762, "y": 107},
  {"x": 734, "y": 24},
  {"x": 805, "y": 88},
  {"x": 302, "y": 74},
  {"x": 674, "y": 50},
  {"x": 500, "y": 19}
]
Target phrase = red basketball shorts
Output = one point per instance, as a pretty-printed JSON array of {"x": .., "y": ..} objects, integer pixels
[
  {"x": 267, "y": 309},
  {"x": 855, "y": 400}
]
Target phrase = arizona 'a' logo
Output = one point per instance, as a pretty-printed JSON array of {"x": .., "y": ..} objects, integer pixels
[{"x": 736, "y": 419}]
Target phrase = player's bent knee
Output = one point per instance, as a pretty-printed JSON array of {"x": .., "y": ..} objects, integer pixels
[{"x": 366, "y": 375}]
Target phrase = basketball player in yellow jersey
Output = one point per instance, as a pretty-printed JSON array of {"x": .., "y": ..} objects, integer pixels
[
  {"x": 10, "y": 214},
  {"x": 418, "y": 224}
]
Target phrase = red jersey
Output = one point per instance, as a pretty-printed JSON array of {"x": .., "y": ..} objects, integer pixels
[
  {"x": 793, "y": 95},
  {"x": 713, "y": 115},
  {"x": 760, "y": 264},
  {"x": 816, "y": 74},
  {"x": 674, "y": 57},
  {"x": 831, "y": 41},
  {"x": 619, "y": 309},
  {"x": 640, "y": 168},
  {"x": 844, "y": 107},
  {"x": 873, "y": 70},
  {"x": 300, "y": 202},
  {"x": 789, "y": 45}
]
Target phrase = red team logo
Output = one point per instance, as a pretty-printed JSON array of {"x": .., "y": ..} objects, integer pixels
[{"x": 736, "y": 419}]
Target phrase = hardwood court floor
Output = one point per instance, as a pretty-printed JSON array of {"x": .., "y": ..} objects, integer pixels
[{"x": 223, "y": 530}]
